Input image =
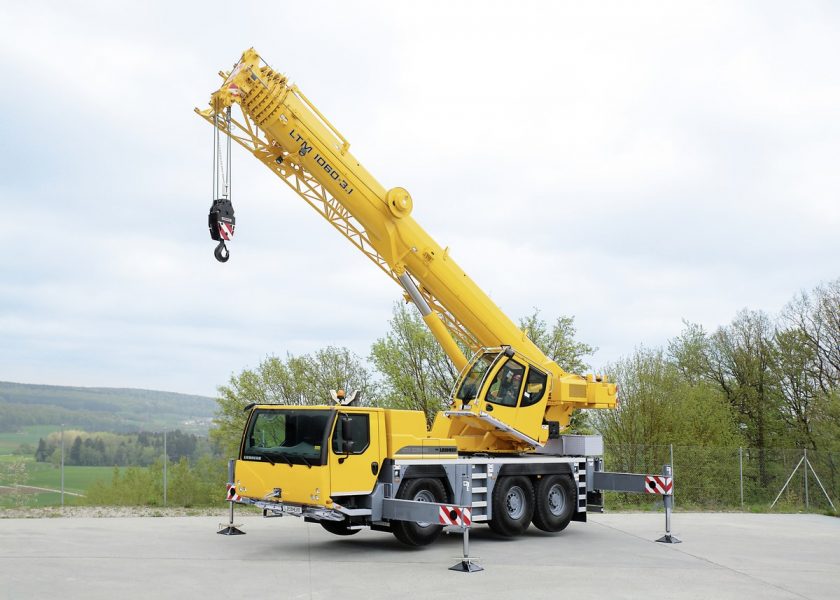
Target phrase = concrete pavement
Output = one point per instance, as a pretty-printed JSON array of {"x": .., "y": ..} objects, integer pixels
[{"x": 613, "y": 556}]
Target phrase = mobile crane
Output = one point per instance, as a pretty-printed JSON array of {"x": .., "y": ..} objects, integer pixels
[{"x": 497, "y": 449}]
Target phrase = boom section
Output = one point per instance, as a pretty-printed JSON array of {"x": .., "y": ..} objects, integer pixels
[
  {"x": 283, "y": 129},
  {"x": 297, "y": 135}
]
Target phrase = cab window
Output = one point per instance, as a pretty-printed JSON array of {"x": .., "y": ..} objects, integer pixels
[
  {"x": 534, "y": 387},
  {"x": 468, "y": 390},
  {"x": 359, "y": 434},
  {"x": 506, "y": 384}
]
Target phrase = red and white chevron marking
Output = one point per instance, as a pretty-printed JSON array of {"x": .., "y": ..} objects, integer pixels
[
  {"x": 232, "y": 496},
  {"x": 454, "y": 515},
  {"x": 657, "y": 484},
  {"x": 225, "y": 231}
]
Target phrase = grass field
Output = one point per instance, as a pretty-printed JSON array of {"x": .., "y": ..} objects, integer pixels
[
  {"x": 44, "y": 475},
  {"x": 9, "y": 442}
]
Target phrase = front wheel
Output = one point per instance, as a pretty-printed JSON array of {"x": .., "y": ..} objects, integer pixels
[
  {"x": 419, "y": 490},
  {"x": 513, "y": 506},
  {"x": 556, "y": 502}
]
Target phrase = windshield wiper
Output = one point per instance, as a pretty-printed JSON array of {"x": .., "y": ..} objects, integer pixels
[
  {"x": 303, "y": 458},
  {"x": 276, "y": 455},
  {"x": 268, "y": 458}
]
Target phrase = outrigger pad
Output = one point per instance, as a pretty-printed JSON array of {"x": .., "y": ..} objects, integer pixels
[
  {"x": 231, "y": 530},
  {"x": 466, "y": 566},
  {"x": 669, "y": 539}
]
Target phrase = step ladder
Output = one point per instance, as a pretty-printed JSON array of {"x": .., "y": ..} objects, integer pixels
[{"x": 478, "y": 484}]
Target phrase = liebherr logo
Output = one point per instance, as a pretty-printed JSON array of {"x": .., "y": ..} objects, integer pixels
[{"x": 304, "y": 147}]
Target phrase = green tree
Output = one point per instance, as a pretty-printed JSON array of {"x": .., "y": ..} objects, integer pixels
[
  {"x": 417, "y": 374},
  {"x": 15, "y": 474},
  {"x": 658, "y": 406},
  {"x": 75, "y": 457},
  {"x": 305, "y": 379},
  {"x": 799, "y": 392},
  {"x": 558, "y": 341}
]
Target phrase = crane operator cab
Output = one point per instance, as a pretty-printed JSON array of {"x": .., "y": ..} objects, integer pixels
[{"x": 501, "y": 390}]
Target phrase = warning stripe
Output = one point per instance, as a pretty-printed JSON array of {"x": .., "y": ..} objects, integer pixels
[
  {"x": 657, "y": 484},
  {"x": 454, "y": 515},
  {"x": 225, "y": 231},
  {"x": 232, "y": 496}
]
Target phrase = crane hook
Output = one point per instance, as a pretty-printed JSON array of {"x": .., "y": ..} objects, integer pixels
[
  {"x": 221, "y": 252},
  {"x": 221, "y": 223}
]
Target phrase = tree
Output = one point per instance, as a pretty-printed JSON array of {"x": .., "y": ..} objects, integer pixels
[
  {"x": 75, "y": 457},
  {"x": 688, "y": 352},
  {"x": 658, "y": 406},
  {"x": 558, "y": 343},
  {"x": 817, "y": 317},
  {"x": 808, "y": 365},
  {"x": 306, "y": 379},
  {"x": 15, "y": 475},
  {"x": 739, "y": 360},
  {"x": 798, "y": 391},
  {"x": 417, "y": 373},
  {"x": 41, "y": 453}
]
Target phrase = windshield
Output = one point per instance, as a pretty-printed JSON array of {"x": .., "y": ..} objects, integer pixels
[
  {"x": 290, "y": 436},
  {"x": 469, "y": 387}
]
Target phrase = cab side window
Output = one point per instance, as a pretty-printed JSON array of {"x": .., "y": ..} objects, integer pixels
[
  {"x": 505, "y": 387},
  {"x": 359, "y": 434},
  {"x": 534, "y": 388}
]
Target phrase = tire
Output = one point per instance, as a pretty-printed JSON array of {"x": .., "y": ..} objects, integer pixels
[
  {"x": 556, "y": 503},
  {"x": 420, "y": 490},
  {"x": 338, "y": 527},
  {"x": 513, "y": 505}
]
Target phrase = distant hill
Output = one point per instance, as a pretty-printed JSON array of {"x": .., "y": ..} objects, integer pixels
[{"x": 119, "y": 410}]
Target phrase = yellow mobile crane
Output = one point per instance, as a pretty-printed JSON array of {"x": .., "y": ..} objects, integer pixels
[{"x": 348, "y": 466}]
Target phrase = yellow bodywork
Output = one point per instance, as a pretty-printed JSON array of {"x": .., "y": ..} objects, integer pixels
[
  {"x": 285, "y": 131},
  {"x": 394, "y": 434}
]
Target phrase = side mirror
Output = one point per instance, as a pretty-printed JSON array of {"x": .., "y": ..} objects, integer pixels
[{"x": 346, "y": 438}]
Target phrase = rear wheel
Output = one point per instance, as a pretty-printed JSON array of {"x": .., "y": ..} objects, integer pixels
[
  {"x": 556, "y": 501},
  {"x": 339, "y": 527},
  {"x": 513, "y": 505},
  {"x": 419, "y": 490}
]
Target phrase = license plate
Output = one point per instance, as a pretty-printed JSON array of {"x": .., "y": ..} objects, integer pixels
[{"x": 292, "y": 510}]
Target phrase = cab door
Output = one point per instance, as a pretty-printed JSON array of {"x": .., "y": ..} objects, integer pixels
[
  {"x": 529, "y": 419},
  {"x": 354, "y": 453},
  {"x": 502, "y": 392}
]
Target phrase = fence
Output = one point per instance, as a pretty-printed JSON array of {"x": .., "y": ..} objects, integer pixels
[
  {"x": 704, "y": 477},
  {"x": 732, "y": 478},
  {"x": 156, "y": 475}
]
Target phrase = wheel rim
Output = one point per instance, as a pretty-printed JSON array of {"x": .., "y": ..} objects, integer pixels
[
  {"x": 424, "y": 496},
  {"x": 515, "y": 502},
  {"x": 556, "y": 500}
]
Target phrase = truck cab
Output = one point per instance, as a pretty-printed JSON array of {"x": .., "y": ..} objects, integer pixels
[{"x": 309, "y": 455}]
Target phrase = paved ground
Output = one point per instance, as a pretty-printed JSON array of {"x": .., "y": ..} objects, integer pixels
[{"x": 613, "y": 556}]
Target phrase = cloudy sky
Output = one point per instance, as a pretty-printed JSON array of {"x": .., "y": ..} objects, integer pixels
[{"x": 630, "y": 164}]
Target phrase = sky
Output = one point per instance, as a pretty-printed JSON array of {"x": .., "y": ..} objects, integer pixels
[{"x": 632, "y": 165}]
